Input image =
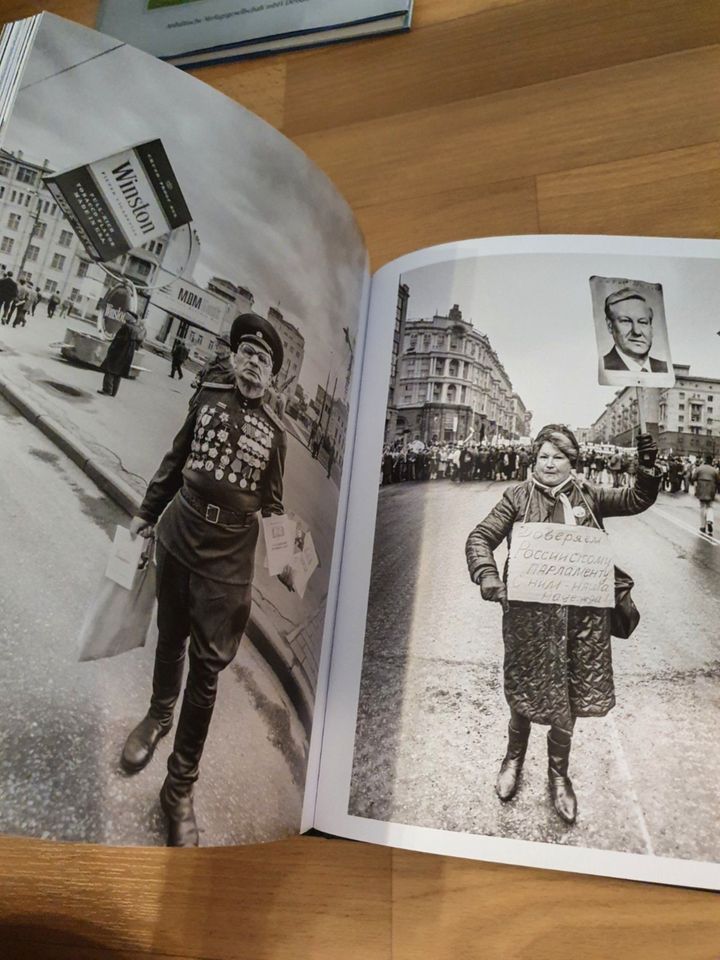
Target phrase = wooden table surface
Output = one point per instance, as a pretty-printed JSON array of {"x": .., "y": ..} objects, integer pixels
[{"x": 490, "y": 117}]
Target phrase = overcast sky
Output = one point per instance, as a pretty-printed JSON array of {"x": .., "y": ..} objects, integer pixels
[
  {"x": 267, "y": 218},
  {"x": 537, "y": 312}
]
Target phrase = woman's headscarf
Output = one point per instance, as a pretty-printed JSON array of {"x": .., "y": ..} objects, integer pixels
[{"x": 561, "y": 437}]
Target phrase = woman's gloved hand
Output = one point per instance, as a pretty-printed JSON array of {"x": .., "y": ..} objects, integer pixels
[
  {"x": 647, "y": 451},
  {"x": 492, "y": 588}
]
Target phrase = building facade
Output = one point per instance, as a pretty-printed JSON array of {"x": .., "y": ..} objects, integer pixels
[
  {"x": 398, "y": 338},
  {"x": 684, "y": 418},
  {"x": 449, "y": 385},
  {"x": 293, "y": 351}
]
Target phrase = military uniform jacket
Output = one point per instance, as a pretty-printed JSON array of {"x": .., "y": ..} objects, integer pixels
[{"x": 229, "y": 453}]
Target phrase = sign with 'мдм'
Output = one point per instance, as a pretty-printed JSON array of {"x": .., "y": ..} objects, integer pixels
[
  {"x": 122, "y": 201},
  {"x": 563, "y": 564}
]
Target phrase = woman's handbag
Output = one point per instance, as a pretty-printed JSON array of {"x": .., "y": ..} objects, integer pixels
[
  {"x": 625, "y": 615},
  {"x": 118, "y": 620}
]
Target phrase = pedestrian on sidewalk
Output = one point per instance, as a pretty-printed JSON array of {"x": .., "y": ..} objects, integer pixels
[
  {"x": 121, "y": 352},
  {"x": 706, "y": 478},
  {"x": 218, "y": 369},
  {"x": 179, "y": 355},
  {"x": 558, "y": 663},
  {"x": 8, "y": 292},
  {"x": 32, "y": 298},
  {"x": 224, "y": 468},
  {"x": 52, "y": 304},
  {"x": 21, "y": 304}
]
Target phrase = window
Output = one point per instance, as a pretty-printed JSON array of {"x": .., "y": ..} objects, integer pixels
[
  {"x": 5, "y": 167},
  {"x": 437, "y": 391},
  {"x": 682, "y": 395},
  {"x": 82, "y": 268},
  {"x": 25, "y": 175},
  {"x": 24, "y": 275},
  {"x": 33, "y": 253},
  {"x": 50, "y": 286},
  {"x": 451, "y": 393},
  {"x": 65, "y": 238},
  {"x": 13, "y": 196},
  {"x": 426, "y": 341},
  {"x": 27, "y": 200},
  {"x": 463, "y": 394},
  {"x": 453, "y": 368},
  {"x": 58, "y": 262},
  {"x": 45, "y": 205},
  {"x": 6, "y": 245},
  {"x": 2, "y": 192},
  {"x": 141, "y": 268},
  {"x": 681, "y": 406},
  {"x": 40, "y": 229},
  {"x": 453, "y": 343},
  {"x": 14, "y": 220}
]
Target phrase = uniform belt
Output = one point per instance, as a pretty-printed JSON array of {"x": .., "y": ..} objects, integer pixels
[{"x": 214, "y": 514}]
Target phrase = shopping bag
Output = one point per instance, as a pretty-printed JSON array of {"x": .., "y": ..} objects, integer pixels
[{"x": 119, "y": 619}]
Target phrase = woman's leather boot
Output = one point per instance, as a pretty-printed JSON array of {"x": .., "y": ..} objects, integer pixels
[
  {"x": 509, "y": 775},
  {"x": 561, "y": 788}
]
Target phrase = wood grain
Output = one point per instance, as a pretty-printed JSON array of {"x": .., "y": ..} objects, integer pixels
[{"x": 491, "y": 116}]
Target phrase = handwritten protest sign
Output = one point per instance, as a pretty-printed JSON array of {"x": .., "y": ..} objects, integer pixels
[{"x": 558, "y": 563}]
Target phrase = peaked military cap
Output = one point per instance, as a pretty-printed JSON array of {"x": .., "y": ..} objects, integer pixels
[{"x": 256, "y": 329}]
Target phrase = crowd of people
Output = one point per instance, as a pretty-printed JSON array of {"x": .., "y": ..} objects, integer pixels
[
  {"x": 601, "y": 464},
  {"x": 19, "y": 300}
]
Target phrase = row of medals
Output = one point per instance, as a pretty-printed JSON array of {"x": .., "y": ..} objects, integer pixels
[{"x": 243, "y": 466}]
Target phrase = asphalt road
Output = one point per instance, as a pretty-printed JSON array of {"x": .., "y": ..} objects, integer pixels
[
  {"x": 63, "y": 723},
  {"x": 432, "y": 721}
]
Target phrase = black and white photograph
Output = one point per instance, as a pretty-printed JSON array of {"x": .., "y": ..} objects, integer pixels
[
  {"x": 631, "y": 332},
  {"x": 541, "y": 658},
  {"x": 167, "y": 547}
]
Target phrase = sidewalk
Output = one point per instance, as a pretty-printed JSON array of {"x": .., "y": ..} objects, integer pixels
[{"x": 120, "y": 441}]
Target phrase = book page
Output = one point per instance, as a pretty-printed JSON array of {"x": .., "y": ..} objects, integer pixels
[
  {"x": 496, "y": 714},
  {"x": 182, "y": 296}
]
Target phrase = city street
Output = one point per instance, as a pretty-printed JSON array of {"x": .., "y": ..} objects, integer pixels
[
  {"x": 433, "y": 718},
  {"x": 132, "y": 431},
  {"x": 64, "y": 722}
]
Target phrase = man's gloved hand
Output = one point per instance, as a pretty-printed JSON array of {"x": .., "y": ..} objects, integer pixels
[
  {"x": 647, "y": 451},
  {"x": 492, "y": 588}
]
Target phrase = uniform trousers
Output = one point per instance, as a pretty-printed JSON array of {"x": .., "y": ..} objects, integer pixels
[{"x": 213, "y": 616}]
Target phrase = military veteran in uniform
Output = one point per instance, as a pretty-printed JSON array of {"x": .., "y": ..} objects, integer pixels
[
  {"x": 629, "y": 319},
  {"x": 225, "y": 467}
]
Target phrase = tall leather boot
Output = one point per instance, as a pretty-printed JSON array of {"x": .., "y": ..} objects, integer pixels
[
  {"x": 176, "y": 795},
  {"x": 140, "y": 745},
  {"x": 509, "y": 775},
  {"x": 561, "y": 788}
]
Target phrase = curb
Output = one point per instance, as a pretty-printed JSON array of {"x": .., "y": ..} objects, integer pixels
[{"x": 261, "y": 633}]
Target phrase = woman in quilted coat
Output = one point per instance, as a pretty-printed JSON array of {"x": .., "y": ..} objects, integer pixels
[{"x": 558, "y": 663}]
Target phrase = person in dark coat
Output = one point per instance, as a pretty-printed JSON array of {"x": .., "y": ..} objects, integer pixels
[
  {"x": 218, "y": 368},
  {"x": 558, "y": 662},
  {"x": 223, "y": 471},
  {"x": 180, "y": 353},
  {"x": 8, "y": 292},
  {"x": 706, "y": 479},
  {"x": 119, "y": 358}
]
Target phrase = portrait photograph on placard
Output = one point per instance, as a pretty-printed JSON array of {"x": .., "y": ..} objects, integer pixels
[
  {"x": 540, "y": 650},
  {"x": 631, "y": 331}
]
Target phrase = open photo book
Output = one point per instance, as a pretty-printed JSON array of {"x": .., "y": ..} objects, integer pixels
[{"x": 425, "y": 558}]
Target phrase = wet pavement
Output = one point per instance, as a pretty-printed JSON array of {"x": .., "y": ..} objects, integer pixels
[
  {"x": 433, "y": 718},
  {"x": 63, "y": 723}
]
